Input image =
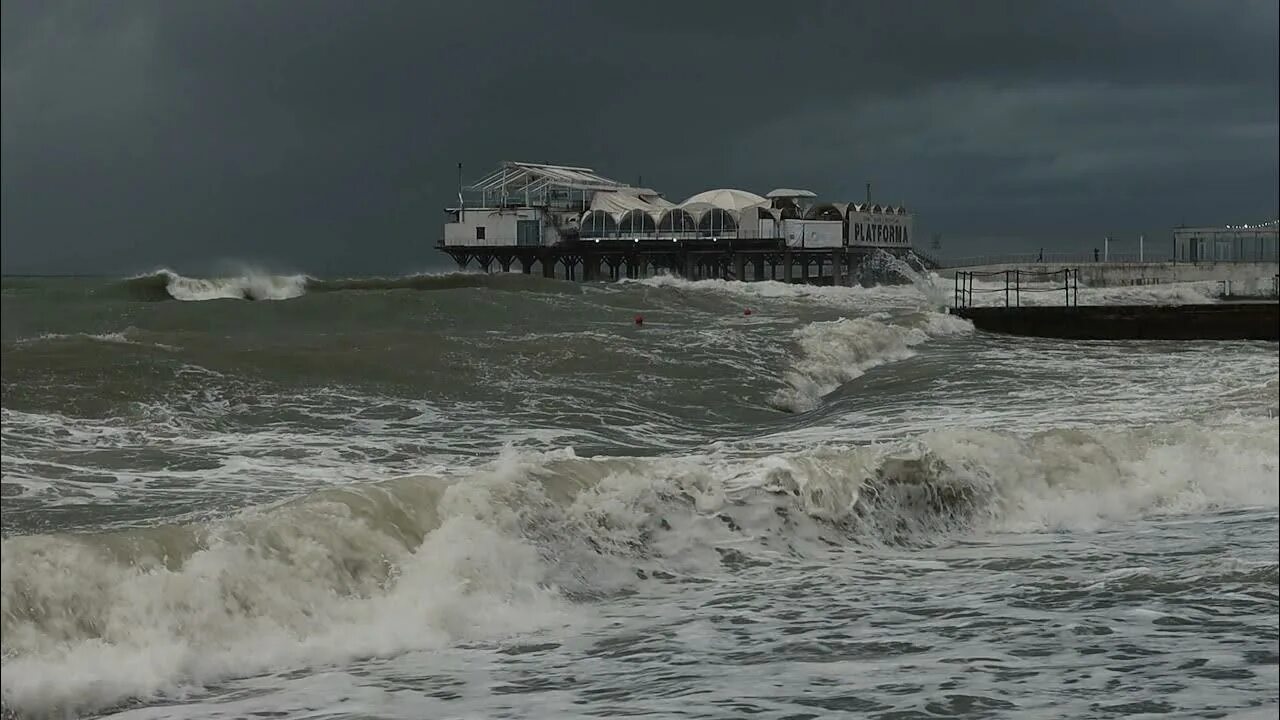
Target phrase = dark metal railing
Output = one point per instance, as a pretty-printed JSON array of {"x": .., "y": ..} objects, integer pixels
[
  {"x": 1065, "y": 281},
  {"x": 1051, "y": 258},
  {"x": 1152, "y": 255}
]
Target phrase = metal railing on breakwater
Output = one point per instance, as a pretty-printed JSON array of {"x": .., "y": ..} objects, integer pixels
[
  {"x": 1049, "y": 258},
  {"x": 1014, "y": 287},
  {"x": 1083, "y": 258}
]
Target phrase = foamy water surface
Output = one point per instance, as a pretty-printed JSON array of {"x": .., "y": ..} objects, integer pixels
[{"x": 458, "y": 496}]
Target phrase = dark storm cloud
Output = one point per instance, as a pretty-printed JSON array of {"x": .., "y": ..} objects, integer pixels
[{"x": 323, "y": 136}]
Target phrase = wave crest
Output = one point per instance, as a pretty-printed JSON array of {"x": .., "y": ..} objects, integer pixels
[
  {"x": 833, "y": 353},
  {"x": 167, "y": 285},
  {"x": 416, "y": 562}
]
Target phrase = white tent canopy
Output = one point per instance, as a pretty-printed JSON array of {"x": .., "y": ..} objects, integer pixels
[
  {"x": 790, "y": 193},
  {"x": 620, "y": 203},
  {"x": 706, "y": 208},
  {"x": 735, "y": 201},
  {"x": 642, "y": 211}
]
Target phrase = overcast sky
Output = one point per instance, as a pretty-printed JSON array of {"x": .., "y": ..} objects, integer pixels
[{"x": 324, "y": 136}]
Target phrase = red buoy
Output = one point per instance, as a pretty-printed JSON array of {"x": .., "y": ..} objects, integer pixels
[
  {"x": 639, "y": 319},
  {"x": 747, "y": 311}
]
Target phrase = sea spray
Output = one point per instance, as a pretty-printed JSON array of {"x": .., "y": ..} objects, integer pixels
[{"x": 923, "y": 281}]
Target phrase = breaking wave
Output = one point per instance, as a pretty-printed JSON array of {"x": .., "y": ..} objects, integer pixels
[
  {"x": 833, "y": 353},
  {"x": 920, "y": 290},
  {"x": 96, "y": 621},
  {"x": 168, "y": 285}
]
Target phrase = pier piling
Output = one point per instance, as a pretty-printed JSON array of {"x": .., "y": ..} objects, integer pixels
[{"x": 753, "y": 261}]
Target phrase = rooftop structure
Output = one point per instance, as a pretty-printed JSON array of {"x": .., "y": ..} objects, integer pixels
[{"x": 522, "y": 204}]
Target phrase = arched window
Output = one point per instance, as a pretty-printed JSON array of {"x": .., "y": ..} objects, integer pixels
[
  {"x": 637, "y": 222},
  {"x": 717, "y": 221},
  {"x": 597, "y": 223},
  {"x": 676, "y": 220}
]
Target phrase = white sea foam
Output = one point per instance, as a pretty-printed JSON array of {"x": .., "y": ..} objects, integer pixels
[
  {"x": 833, "y": 353},
  {"x": 118, "y": 338},
  {"x": 253, "y": 284},
  {"x": 836, "y": 296},
  {"x": 421, "y": 562},
  {"x": 250, "y": 285}
]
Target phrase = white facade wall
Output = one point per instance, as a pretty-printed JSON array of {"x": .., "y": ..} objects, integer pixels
[
  {"x": 868, "y": 229},
  {"x": 500, "y": 227},
  {"x": 813, "y": 233}
]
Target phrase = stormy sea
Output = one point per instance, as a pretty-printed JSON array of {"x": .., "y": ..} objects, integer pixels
[{"x": 471, "y": 496}]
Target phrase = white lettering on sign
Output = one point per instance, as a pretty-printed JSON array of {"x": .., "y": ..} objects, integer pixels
[{"x": 879, "y": 230}]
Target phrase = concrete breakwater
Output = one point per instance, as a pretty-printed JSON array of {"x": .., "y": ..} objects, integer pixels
[{"x": 1219, "y": 321}]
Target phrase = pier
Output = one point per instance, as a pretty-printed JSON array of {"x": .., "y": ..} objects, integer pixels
[
  {"x": 569, "y": 222},
  {"x": 1068, "y": 320}
]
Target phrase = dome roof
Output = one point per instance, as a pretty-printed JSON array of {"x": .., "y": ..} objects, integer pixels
[
  {"x": 727, "y": 199},
  {"x": 790, "y": 193}
]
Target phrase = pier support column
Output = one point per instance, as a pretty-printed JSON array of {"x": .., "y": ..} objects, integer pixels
[
  {"x": 787, "y": 262},
  {"x": 757, "y": 269},
  {"x": 612, "y": 263},
  {"x": 804, "y": 268},
  {"x": 739, "y": 267},
  {"x": 526, "y": 265},
  {"x": 837, "y": 266},
  {"x": 548, "y": 266},
  {"x": 590, "y": 268},
  {"x": 570, "y": 263},
  {"x": 690, "y": 267}
]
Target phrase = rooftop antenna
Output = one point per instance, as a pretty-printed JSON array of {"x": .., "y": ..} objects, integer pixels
[
  {"x": 868, "y": 193},
  {"x": 462, "y": 213}
]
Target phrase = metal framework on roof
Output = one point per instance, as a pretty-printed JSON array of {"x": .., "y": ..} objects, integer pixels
[{"x": 537, "y": 183}]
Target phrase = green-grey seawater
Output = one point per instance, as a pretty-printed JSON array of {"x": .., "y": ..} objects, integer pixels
[{"x": 500, "y": 496}]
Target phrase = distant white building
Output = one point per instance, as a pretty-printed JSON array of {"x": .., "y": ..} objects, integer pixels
[
  {"x": 1232, "y": 243},
  {"x": 532, "y": 204}
]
